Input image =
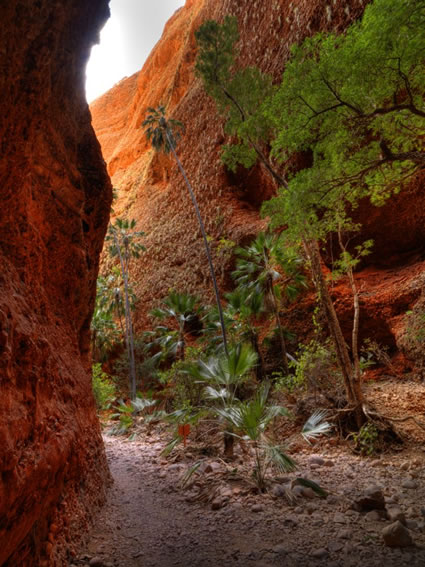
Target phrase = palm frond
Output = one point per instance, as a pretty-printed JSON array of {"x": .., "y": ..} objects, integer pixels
[
  {"x": 171, "y": 445},
  {"x": 278, "y": 457},
  {"x": 190, "y": 471},
  {"x": 140, "y": 404},
  {"x": 212, "y": 393},
  {"x": 315, "y": 426}
]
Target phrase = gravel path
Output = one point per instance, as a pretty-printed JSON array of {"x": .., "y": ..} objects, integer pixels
[{"x": 151, "y": 521}]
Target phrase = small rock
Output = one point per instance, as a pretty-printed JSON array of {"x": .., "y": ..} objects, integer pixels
[
  {"x": 212, "y": 467},
  {"x": 375, "y": 463},
  {"x": 316, "y": 460},
  {"x": 332, "y": 499},
  {"x": 278, "y": 490},
  {"x": 297, "y": 490},
  {"x": 410, "y": 512},
  {"x": 395, "y": 514},
  {"x": 409, "y": 484},
  {"x": 280, "y": 549},
  {"x": 405, "y": 466},
  {"x": 291, "y": 520},
  {"x": 319, "y": 553},
  {"x": 396, "y": 535},
  {"x": 308, "y": 492},
  {"x": 375, "y": 515},
  {"x": 335, "y": 546},
  {"x": 339, "y": 518},
  {"x": 96, "y": 562},
  {"x": 345, "y": 534},
  {"x": 257, "y": 508},
  {"x": 226, "y": 492},
  {"x": 372, "y": 499},
  {"x": 176, "y": 467},
  {"x": 412, "y": 524},
  {"x": 216, "y": 504},
  {"x": 329, "y": 463}
]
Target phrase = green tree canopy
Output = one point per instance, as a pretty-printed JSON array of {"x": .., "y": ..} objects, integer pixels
[
  {"x": 237, "y": 92},
  {"x": 356, "y": 102}
]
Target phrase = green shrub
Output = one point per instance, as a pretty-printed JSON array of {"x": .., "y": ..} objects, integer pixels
[
  {"x": 316, "y": 368},
  {"x": 103, "y": 387},
  {"x": 366, "y": 440},
  {"x": 185, "y": 391}
]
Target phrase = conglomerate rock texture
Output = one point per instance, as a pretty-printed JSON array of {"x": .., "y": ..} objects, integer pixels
[
  {"x": 56, "y": 196},
  {"x": 151, "y": 189}
]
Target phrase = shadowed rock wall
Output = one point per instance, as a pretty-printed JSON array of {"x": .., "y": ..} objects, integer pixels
[{"x": 55, "y": 199}]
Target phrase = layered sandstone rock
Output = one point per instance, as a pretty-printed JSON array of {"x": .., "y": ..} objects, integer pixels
[
  {"x": 151, "y": 190},
  {"x": 55, "y": 202}
]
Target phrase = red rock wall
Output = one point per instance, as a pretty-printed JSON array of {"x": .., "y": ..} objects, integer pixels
[
  {"x": 54, "y": 212},
  {"x": 151, "y": 189}
]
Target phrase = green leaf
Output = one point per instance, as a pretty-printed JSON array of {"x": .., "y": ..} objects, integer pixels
[{"x": 313, "y": 485}]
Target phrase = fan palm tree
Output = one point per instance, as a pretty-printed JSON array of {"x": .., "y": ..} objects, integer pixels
[
  {"x": 164, "y": 135},
  {"x": 239, "y": 314},
  {"x": 222, "y": 375},
  {"x": 183, "y": 308},
  {"x": 251, "y": 419},
  {"x": 257, "y": 272},
  {"x": 124, "y": 245}
]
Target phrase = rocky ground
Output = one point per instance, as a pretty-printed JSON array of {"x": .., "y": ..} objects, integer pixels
[{"x": 217, "y": 519}]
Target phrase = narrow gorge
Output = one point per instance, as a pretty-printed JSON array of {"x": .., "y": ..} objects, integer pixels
[{"x": 61, "y": 161}]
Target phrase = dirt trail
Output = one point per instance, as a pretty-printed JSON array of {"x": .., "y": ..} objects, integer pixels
[{"x": 150, "y": 521}]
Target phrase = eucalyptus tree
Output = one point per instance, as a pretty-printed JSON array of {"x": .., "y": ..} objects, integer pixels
[
  {"x": 164, "y": 134},
  {"x": 355, "y": 102},
  {"x": 124, "y": 244}
]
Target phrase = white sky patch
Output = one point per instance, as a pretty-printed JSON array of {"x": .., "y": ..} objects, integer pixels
[{"x": 128, "y": 37}]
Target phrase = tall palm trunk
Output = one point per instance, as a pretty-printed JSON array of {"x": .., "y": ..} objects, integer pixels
[
  {"x": 279, "y": 326},
  {"x": 259, "y": 367},
  {"x": 204, "y": 236}
]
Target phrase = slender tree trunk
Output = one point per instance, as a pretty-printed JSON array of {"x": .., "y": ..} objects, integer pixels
[
  {"x": 204, "y": 236},
  {"x": 117, "y": 305},
  {"x": 279, "y": 326},
  {"x": 259, "y": 369},
  {"x": 354, "y": 394},
  {"x": 355, "y": 331},
  {"x": 182, "y": 344},
  {"x": 229, "y": 443},
  {"x": 355, "y": 335},
  {"x": 129, "y": 322}
]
